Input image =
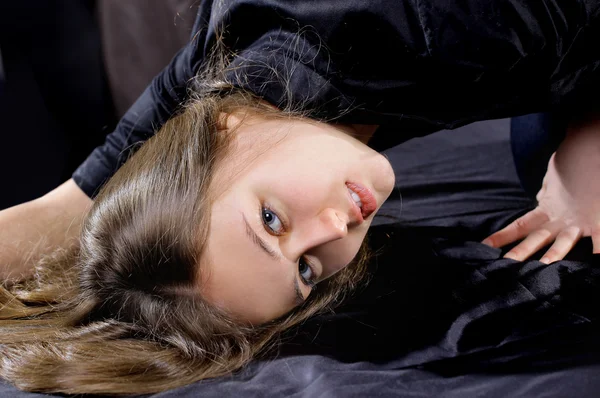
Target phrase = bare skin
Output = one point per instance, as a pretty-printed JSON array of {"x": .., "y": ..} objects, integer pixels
[
  {"x": 35, "y": 228},
  {"x": 285, "y": 219},
  {"x": 568, "y": 203},
  {"x": 567, "y": 210}
]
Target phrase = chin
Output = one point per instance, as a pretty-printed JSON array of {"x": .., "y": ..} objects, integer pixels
[{"x": 386, "y": 179}]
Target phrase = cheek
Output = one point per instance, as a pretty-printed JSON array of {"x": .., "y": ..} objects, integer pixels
[
  {"x": 303, "y": 183},
  {"x": 300, "y": 195},
  {"x": 298, "y": 173}
]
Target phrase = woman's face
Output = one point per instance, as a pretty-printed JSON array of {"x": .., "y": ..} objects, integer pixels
[{"x": 285, "y": 217}]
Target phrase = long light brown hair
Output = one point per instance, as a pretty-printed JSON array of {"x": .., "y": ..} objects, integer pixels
[{"x": 116, "y": 312}]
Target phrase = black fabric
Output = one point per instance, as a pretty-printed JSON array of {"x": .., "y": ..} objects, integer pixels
[
  {"x": 443, "y": 315},
  {"x": 55, "y": 106},
  {"x": 417, "y": 66}
]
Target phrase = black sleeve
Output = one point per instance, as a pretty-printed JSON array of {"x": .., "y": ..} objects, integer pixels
[
  {"x": 466, "y": 61},
  {"x": 152, "y": 109},
  {"x": 420, "y": 66},
  {"x": 417, "y": 66}
]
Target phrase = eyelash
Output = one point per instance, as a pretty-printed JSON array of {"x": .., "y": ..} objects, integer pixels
[{"x": 264, "y": 207}]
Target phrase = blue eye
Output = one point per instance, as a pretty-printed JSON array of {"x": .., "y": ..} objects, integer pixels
[
  {"x": 306, "y": 272},
  {"x": 272, "y": 221}
]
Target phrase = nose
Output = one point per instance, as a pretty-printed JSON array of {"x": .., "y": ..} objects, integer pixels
[
  {"x": 333, "y": 225},
  {"x": 329, "y": 225}
]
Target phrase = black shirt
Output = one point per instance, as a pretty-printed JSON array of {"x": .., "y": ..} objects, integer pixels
[{"x": 417, "y": 66}]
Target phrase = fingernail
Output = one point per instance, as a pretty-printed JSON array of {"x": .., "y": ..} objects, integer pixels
[
  {"x": 510, "y": 256},
  {"x": 545, "y": 260},
  {"x": 486, "y": 242}
]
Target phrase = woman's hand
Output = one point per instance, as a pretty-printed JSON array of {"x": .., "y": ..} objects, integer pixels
[
  {"x": 568, "y": 203},
  {"x": 35, "y": 228}
]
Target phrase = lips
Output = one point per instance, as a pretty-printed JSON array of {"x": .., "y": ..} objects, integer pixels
[{"x": 369, "y": 203}]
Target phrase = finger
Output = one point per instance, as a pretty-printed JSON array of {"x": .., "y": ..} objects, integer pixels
[
  {"x": 563, "y": 244},
  {"x": 596, "y": 240},
  {"x": 534, "y": 242},
  {"x": 518, "y": 229}
]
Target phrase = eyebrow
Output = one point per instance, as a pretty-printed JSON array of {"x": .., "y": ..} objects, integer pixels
[{"x": 258, "y": 241}]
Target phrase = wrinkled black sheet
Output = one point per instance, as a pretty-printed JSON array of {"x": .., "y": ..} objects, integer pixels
[{"x": 443, "y": 315}]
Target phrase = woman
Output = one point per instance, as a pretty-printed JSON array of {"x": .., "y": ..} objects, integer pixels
[{"x": 222, "y": 223}]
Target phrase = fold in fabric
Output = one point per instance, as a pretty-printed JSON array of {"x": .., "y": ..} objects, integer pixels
[{"x": 434, "y": 297}]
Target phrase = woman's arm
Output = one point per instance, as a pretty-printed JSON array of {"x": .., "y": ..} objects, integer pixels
[
  {"x": 35, "y": 228},
  {"x": 32, "y": 229},
  {"x": 151, "y": 110},
  {"x": 568, "y": 203}
]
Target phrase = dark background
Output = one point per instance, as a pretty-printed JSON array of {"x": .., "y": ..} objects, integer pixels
[
  {"x": 69, "y": 70},
  {"x": 55, "y": 106}
]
